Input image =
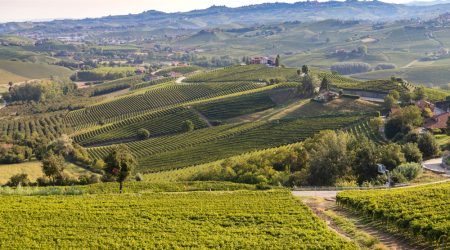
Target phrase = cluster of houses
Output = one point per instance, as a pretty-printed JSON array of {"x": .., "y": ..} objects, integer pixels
[
  {"x": 265, "y": 60},
  {"x": 440, "y": 115}
]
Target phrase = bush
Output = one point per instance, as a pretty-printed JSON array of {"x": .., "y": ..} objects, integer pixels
[
  {"x": 347, "y": 68},
  {"x": 188, "y": 126},
  {"x": 143, "y": 134},
  {"x": 43, "y": 181},
  {"x": 19, "y": 180},
  {"x": 409, "y": 171},
  {"x": 139, "y": 177},
  {"x": 428, "y": 145},
  {"x": 412, "y": 152}
]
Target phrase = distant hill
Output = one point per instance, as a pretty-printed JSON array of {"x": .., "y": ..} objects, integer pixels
[{"x": 216, "y": 16}]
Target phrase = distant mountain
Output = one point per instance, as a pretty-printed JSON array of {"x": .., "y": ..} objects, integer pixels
[{"x": 220, "y": 16}]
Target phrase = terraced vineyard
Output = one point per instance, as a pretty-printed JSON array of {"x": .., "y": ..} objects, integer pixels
[
  {"x": 159, "y": 97},
  {"x": 152, "y": 83},
  {"x": 50, "y": 126},
  {"x": 363, "y": 128},
  {"x": 235, "y": 106},
  {"x": 242, "y": 219},
  {"x": 255, "y": 73},
  {"x": 419, "y": 212},
  {"x": 219, "y": 142},
  {"x": 159, "y": 123}
]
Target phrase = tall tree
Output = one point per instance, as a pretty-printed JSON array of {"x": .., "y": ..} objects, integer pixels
[
  {"x": 278, "y": 61},
  {"x": 120, "y": 163},
  {"x": 53, "y": 165},
  {"x": 325, "y": 84},
  {"x": 305, "y": 69}
]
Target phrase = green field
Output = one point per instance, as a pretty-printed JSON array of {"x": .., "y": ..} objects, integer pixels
[
  {"x": 17, "y": 71},
  {"x": 239, "y": 219},
  {"x": 34, "y": 170}
]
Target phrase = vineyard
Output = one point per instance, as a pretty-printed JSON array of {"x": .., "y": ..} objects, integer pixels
[
  {"x": 49, "y": 126},
  {"x": 181, "y": 70},
  {"x": 252, "y": 73},
  {"x": 363, "y": 128},
  {"x": 159, "y": 123},
  {"x": 158, "y": 97},
  {"x": 152, "y": 83},
  {"x": 210, "y": 144},
  {"x": 242, "y": 219},
  {"x": 418, "y": 212},
  {"x": 235, "y": 106}
]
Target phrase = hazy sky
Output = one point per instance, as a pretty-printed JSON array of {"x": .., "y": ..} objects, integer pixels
[{"x": 20, "y": 10}]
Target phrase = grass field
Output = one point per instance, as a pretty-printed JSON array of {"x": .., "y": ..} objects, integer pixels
[
  {"x": 17, "y": 71},
  {"x": 34, "y": 170},
  {"x": 229, "y": 220}
]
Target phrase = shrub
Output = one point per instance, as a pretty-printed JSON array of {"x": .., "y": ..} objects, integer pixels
[
  {"x": 409, "y": 171},
  {"x": 143, "y": 134},
  {"x": 412, "y": 152},
  {"x": 19, "y": 180},
  {"x": 139, "y": 177},
  {"x": 188, "y": 126},
  {"x": 428, "y": 145}
]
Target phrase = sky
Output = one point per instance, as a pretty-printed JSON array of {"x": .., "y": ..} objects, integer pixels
[{"x": 42, "y": 10}]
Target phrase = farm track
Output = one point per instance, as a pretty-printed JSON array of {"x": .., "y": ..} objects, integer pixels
[{"x": 391, "y": 241}]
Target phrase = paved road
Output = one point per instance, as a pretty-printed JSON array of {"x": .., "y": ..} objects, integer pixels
[
  {"x": 435, "y": 166},
  {"x": 323, "y": 194}
]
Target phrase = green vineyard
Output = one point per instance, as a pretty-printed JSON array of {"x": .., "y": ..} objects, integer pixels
[
  {"x": 228, "y": 220},
  {"x": 159, "y": 123},
  {"x": 162, "y": 96},
  {"x": 420, "y": 212},
  {"x": 49, "y": 126},
  {"x": 210, "y": 144}
]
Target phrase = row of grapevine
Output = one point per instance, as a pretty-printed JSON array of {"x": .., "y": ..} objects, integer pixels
[
  {"x": 235, "y": 106},
  {"x": 245, "y": 73},
  {"x": 164, "y": 96},
  {"x": 152, "y": 83},
  {"x": 182, "y": 220},
  {"x": 158, "y": 123},
  {"x": 49, "y": 127},
  {"x": 419, "y": 212},
  {"x": 363, "y": 128},
  {"x": 219, "y": 142},
  {"x": 269, "y": 135},
  {"x": 173, "y": 142}
]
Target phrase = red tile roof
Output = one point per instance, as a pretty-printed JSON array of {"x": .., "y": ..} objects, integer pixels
[{"x": 439, "y": 122}]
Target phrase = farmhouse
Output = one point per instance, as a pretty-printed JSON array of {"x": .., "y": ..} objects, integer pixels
[
  {"x": 422, "y": 105},
  {"x": 263, "y": 60},
  {"x": 326, "y": 96}
]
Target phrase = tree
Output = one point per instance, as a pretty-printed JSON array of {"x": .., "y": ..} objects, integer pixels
[
  {"x": 362, "y": 50},
  {"x": 389, "y": 102},
  {"x": 143, "y": 134},
  {"x": 367, "y": 156},
  {"x": 308, "y": 85},
  {"x": 330, "y": 156},
  {"x": 120, "y": 164},
  {"x": 188, "y": 126},
  {"x": 325, "y": 84},
  {"x": 19, "y": 180},
  {"x": 305, "y": 69},
  {"x": 428, "y": 145},
  {"x": 420, "y": 94},
  {"x": 395, "y": 94},
  {"x": 392, "y": 155},
  {"x": 376, "y": 124},
  {"x": 412, "y": 152},
  {"x": 63, "y": 145},
  {"x": 403, "y": 121},
  {"x": 53, "y": 166},
  {"x": 427, "y": 113},
  {"x": 406, "y": 97},
  {"x": 278, "y": 61}
]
